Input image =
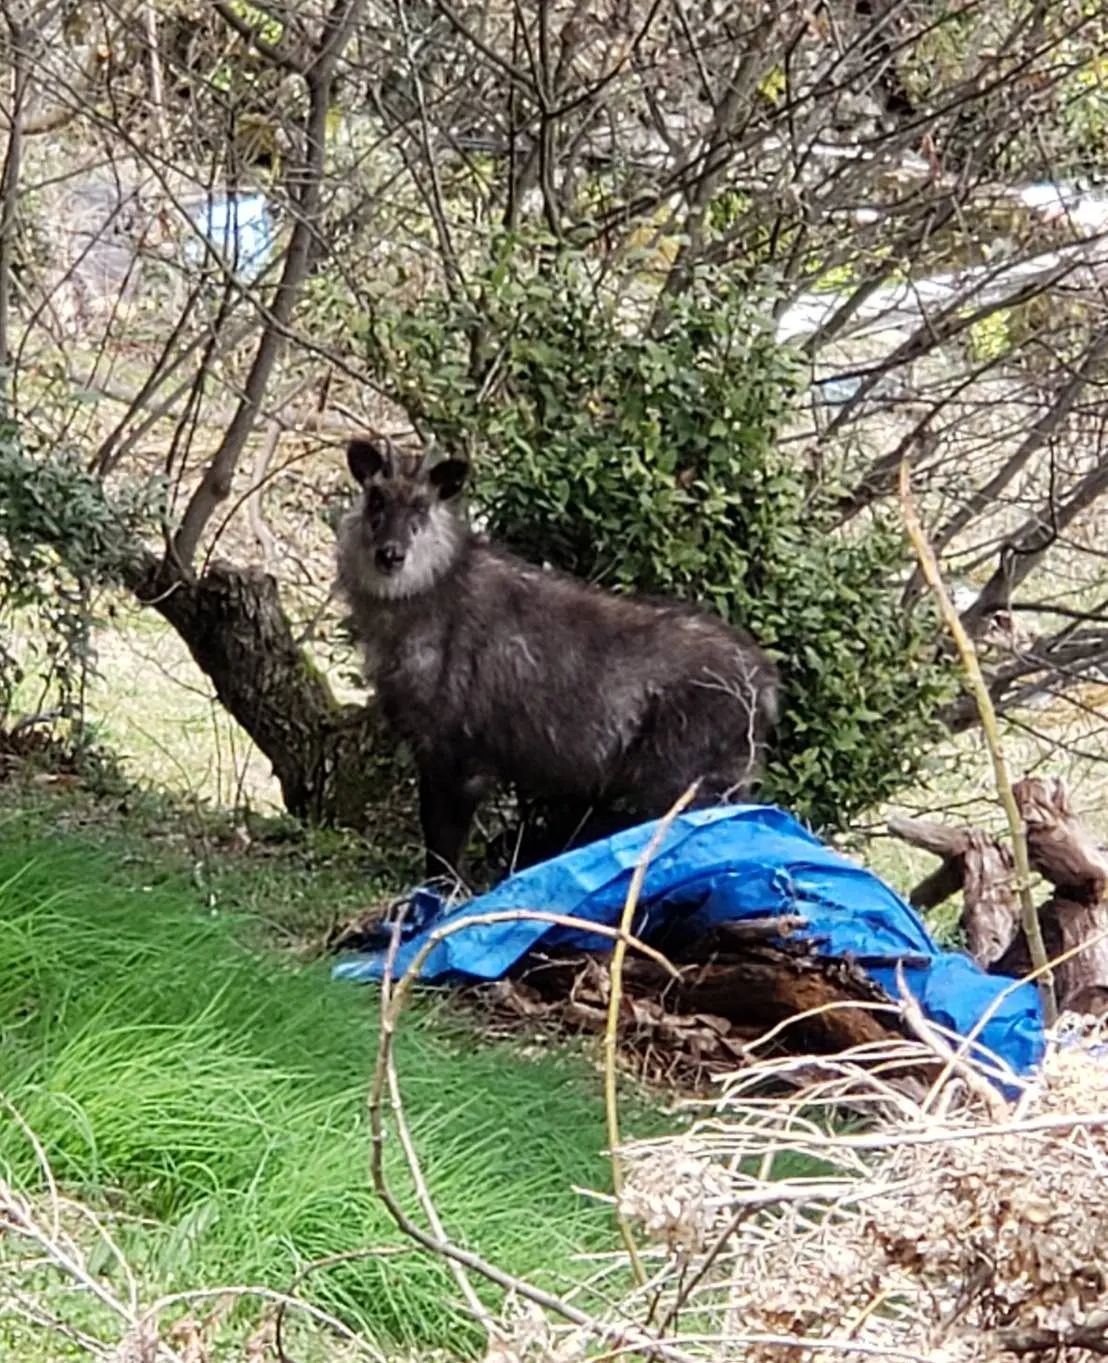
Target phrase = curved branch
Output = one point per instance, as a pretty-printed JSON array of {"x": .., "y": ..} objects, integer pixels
[
  {"x": 1024, "y": 550},
  {"x": 1050, "y": 660},
  {"x": 1041, "y": 431},
  {"x": 280, "y": 54}
]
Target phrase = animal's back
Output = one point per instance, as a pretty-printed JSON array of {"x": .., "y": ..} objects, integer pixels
[{"x": 559, "y": 687}]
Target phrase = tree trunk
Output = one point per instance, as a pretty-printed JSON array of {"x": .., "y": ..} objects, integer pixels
[
  {"x": 1075, "y": 918},
  {"x": 336, "y": 764},
  {"x": 976, "y": 864}
]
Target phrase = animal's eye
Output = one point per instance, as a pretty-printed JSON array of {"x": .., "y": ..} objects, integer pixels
[
  {"x": 374, "y": 501},
  {"x": 421, "y": 506}
]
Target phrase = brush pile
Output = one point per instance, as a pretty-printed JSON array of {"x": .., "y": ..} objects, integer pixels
[
  {"x": 960, "y": 1236},
  {"x": 684, "y": 1032},
  {"x": 30, "y": 748},
  {"x": 761, "y": 980},
  {"x": 951, "y": 1228}
]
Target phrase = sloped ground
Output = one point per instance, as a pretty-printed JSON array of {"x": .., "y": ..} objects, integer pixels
[{"x": 206, "y": 1101}]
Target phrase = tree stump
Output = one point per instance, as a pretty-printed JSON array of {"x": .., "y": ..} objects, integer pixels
[{"x": 982, "y": 869}]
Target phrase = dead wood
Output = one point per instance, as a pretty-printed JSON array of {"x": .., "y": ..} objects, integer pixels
[
  {"x": 1067, "y": 924},
  {"x": 1065, "y": 853},
  {"x": 684, "y": 1031},
  {"x": 1060, "y": 847},
  {"x": 945, "y": 842},
  {"x": 767, "y": 986},
  {"x": 982, "y": 869},
  {"x": 757, "y": 930},
  {"x": 990, "y": 914}
]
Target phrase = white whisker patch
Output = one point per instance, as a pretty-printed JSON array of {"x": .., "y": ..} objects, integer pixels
[{"x": 428, "y": 557}]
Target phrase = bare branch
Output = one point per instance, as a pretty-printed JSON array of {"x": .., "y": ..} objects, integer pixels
[
  {"x": 281, "y": 54},
  {"x": 215, "y": 486}
]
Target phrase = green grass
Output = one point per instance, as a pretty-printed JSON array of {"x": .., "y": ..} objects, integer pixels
[{"x": 217, "y": 1094}]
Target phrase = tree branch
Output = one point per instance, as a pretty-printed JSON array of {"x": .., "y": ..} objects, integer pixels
[
  {"x": 280, "y": 54},
  {"x": 1041, "y": 431},
  {"x": 9, "y": 183},
  {"x": 1024, "y": 550},
  {"x": 215, "y": 485}
]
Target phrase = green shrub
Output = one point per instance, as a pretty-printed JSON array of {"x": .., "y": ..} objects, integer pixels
[
  {"x": 647, "y": 455},
  {"x": 61, "y": 537}
]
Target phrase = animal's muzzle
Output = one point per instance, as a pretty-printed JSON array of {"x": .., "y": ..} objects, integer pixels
[{"x": 388, "y": 558}]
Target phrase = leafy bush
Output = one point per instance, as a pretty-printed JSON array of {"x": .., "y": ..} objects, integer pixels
[
  {"x": 61, "y": 536},
  {"x": 645, "y": 454}
]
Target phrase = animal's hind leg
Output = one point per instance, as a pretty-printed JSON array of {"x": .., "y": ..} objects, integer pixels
[
  {"x": 656, "y": 798},
  {"x": 556, "y": 826},
  {"x": 657, "y": 779},
  {"x": 703, "y": 734},
  {"x": 568, "y": 824},
  {"x": 447, "y": 804}
]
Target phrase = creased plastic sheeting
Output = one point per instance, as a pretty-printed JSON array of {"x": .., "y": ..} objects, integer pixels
[{"x": 716, "y": 866}]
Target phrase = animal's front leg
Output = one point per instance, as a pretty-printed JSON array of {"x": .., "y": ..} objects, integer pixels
[{"x": 447, "y": 804}]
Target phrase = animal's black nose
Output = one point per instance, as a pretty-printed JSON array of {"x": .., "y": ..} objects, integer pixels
[{"x": 389, "y": 557}]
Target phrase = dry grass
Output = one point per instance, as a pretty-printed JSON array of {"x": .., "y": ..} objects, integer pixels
[{"x": 939, "y": 1228}]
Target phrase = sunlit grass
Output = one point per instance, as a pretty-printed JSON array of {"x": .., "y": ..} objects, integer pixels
[{"x": 217, "y": 1095}]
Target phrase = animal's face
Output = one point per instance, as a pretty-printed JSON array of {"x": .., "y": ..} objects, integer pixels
[{"x": 408, "y": 532}]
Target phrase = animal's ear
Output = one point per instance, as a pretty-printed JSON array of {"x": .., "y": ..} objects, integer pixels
[
  {"x": 448, "y": 477},
  {"x": 367, "y": 458}
]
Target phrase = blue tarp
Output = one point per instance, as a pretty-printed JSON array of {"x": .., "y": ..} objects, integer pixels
[{"x": 716, "y": 866}]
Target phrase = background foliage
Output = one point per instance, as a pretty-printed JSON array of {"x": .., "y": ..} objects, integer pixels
[
  {"x": 687, "y": 284},
  {"x": 643, "y": 450}
]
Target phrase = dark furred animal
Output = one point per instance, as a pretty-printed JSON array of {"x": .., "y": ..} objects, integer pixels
[{"x": 496, "y": 671}]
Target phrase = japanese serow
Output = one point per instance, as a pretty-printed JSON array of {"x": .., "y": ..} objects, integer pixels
[{"x": 495, "y": 671}]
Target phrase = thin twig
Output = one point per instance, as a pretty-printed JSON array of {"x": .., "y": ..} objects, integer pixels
[
  {"x": 407, "y": 1145},
  {"x": 965, "y": 1042},
  {"x": 933, "y": 576},
  {"x": 615, "y": 997},
  {"x": 962, "y": 1066},
  {"x": 157, "y": 84},
  {"x": 346, "y": 1256},
  {"x": 440, "y": 1245}
]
